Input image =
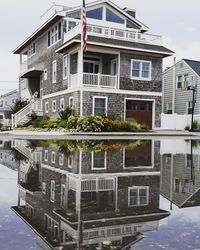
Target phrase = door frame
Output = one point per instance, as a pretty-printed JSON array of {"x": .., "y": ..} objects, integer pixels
[{"x": 142, "y": 99}]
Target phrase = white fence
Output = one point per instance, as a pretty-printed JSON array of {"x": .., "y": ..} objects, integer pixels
[{"x": 176, "y": 122}]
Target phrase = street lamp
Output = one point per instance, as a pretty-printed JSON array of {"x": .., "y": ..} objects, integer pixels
[{"x": 194, "y": 95}]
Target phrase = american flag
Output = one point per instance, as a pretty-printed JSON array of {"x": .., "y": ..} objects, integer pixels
[{"x": 84, "y": 28}]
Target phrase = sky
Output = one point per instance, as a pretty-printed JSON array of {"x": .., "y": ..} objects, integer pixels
[{"x": 175, "y": 20}]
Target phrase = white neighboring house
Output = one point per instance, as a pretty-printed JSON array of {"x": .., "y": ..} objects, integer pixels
[
  {"x": 6, "y": 102},
  {"x": 177, "y": 100}
]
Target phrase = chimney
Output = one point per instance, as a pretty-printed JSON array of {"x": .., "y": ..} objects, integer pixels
[{"x": 129, "y": 11}]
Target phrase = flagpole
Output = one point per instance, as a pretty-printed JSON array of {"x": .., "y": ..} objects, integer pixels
[{"x": 81, "y": 58}]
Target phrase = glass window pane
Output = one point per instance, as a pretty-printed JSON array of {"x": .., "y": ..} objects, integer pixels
[
  {"x": 136, "y": 69},
  {"x": 100, "y": 106},
  {"x": 145, "y": 69},
  {"x": 99, "y": 160},
  {"x": 95, "y": 14},
  {"x": 112, "y": 17}
]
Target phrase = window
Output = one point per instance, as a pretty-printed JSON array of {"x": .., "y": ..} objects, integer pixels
[
  {"x": 44, "y": 187},
  {"x": 54, "y": 34},
  {"x": 65, "y": 67},
  {"x": 138, "y": 196},
  {"x": 168, "y": 159},
  {"x": 46, "y": 155},
  {"x": 63, "y": 195},
  {"x": 189, "y": 108},
  {"x": 95, "y": 14},
  {"x": 99, "y": 105},
  {"x": 31, "y": 50},
  {"x": 1, "y": 117},
  {"x": 53, "y": 157},
  {"x": 54, "y": 71},
  {"x": 45, "y": 74},
  {"x": 98, "y": 160},
  {"x": 70, "y": 161},
  {"x": 179, "y": 82},
  {"x": 52, "y": 196},
  {"x": 71, "y": 102},
  {"x": 141, "y": 70},
  {"x": 62, "y": 104},
  {"x": 54, "y": 106},
  {"x": 169, "y": 108},
  {"x": 182, "y": 81},
  {"x": 46, "y": 107},
  {"x": 112, "y": 17},
  {"x": 1, "y": 103},
  {"x": 52, "y": 227},
  {"x": 61, "y": 159}
]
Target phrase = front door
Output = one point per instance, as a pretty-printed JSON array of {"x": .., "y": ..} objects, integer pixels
[{"x": 141, "y": 111}]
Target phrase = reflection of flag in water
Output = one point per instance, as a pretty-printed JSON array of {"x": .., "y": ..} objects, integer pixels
[
  {"x": 81, "y": 231},
  {"x": 84, "y": 28}
]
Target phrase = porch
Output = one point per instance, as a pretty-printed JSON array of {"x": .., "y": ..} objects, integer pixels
[{"x": 99, "y": 70}]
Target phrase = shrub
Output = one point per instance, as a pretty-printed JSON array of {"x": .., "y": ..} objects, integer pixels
[
  {"x": 187, "y": 127},
  {"x": 65, "y": 114},
  {"x": 33, "y": 116},
  {"x": 72, "y": 122},
  {"x": 89, "y": 124},
  {"x": 19, "y": 104}
]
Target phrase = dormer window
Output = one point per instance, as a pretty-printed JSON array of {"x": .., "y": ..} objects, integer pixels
[
  {"x": 95, "y": 13},
  {"x": 113, "y": 17}
]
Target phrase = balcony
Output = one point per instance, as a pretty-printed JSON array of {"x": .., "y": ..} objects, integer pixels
[
  {"x": 128, "y": 35},
  {"x": 94, "y": 80}
]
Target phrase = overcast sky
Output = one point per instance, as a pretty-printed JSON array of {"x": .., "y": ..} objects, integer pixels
[{"x": 176, "y": 20}]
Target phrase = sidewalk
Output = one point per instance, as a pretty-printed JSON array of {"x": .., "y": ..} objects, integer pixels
[{"x": 56, "y": 134}]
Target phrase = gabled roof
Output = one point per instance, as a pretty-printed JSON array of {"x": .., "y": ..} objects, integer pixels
[
  {"x": 195, "y": 65},
  {"x": 60, "y": 14}
]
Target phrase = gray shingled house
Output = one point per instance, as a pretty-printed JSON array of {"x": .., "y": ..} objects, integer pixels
[{"x": 120, "y": 74}]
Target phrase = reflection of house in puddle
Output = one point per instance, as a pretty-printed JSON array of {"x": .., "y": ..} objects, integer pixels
[
  {"x": 7, "y": 157},
  {"x": 180, "y": 172},
  {"x": 94, "y": 199}
]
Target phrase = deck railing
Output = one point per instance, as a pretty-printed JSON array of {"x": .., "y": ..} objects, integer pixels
[
  {"x": 119, "y": 34},
  {"x": 100, "y": 80}
]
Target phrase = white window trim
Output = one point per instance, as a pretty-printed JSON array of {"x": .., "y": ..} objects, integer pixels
[
  {"x": 53, "y": 27},
  {"x": 62, "y": 100},
  {"x": 46, "y": 153},
  {"x": 100, "y": 97},
  {"x": 54, "y": 63},
  {"x": 71, "y": 98},
  {"x": 105, "y": 162},
  {"x": 46, "y": 105},
  {"x": 138, "y": 188},
  {"x": 61, "y": 159},
  {"x": 72, "y": 161},
  {"x": 140, "y": 72},
  {"x": 53, "y": 110},
  {"x": 53, "y": 159},
  {"x": 65, "y": 56},
  {"x": 52, "y": 197}
]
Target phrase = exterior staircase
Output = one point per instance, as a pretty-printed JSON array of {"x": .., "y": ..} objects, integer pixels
[{"x": 23, "y": 116}]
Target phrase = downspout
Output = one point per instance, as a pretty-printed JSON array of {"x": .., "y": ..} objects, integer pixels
[{"x": 174, "y": 85}]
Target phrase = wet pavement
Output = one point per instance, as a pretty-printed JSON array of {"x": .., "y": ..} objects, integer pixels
[{"x": 100, "y": 194}]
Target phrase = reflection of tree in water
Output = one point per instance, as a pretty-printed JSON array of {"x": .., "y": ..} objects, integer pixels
[{"x": 68, "y": 147}]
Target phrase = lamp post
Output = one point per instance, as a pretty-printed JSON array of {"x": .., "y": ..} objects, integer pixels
[{"x": 194, "y": 93}]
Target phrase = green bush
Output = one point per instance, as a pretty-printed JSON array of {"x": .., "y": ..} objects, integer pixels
[
  {"x": 65, "y": 114},
  {"x": 19, "y": 104},
  {"x": 187, "y": 127}
]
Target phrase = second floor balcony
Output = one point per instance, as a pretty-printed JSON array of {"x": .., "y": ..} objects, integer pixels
[{"x": 129, "y": 35}]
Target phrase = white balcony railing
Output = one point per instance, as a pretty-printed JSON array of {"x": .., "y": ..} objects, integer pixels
[
  {"x": 93, "y": 80},
  {"x": 128, "y": 35},
  {"x": 119, "y": 34},
  {"x": 100, "y": 80}
]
